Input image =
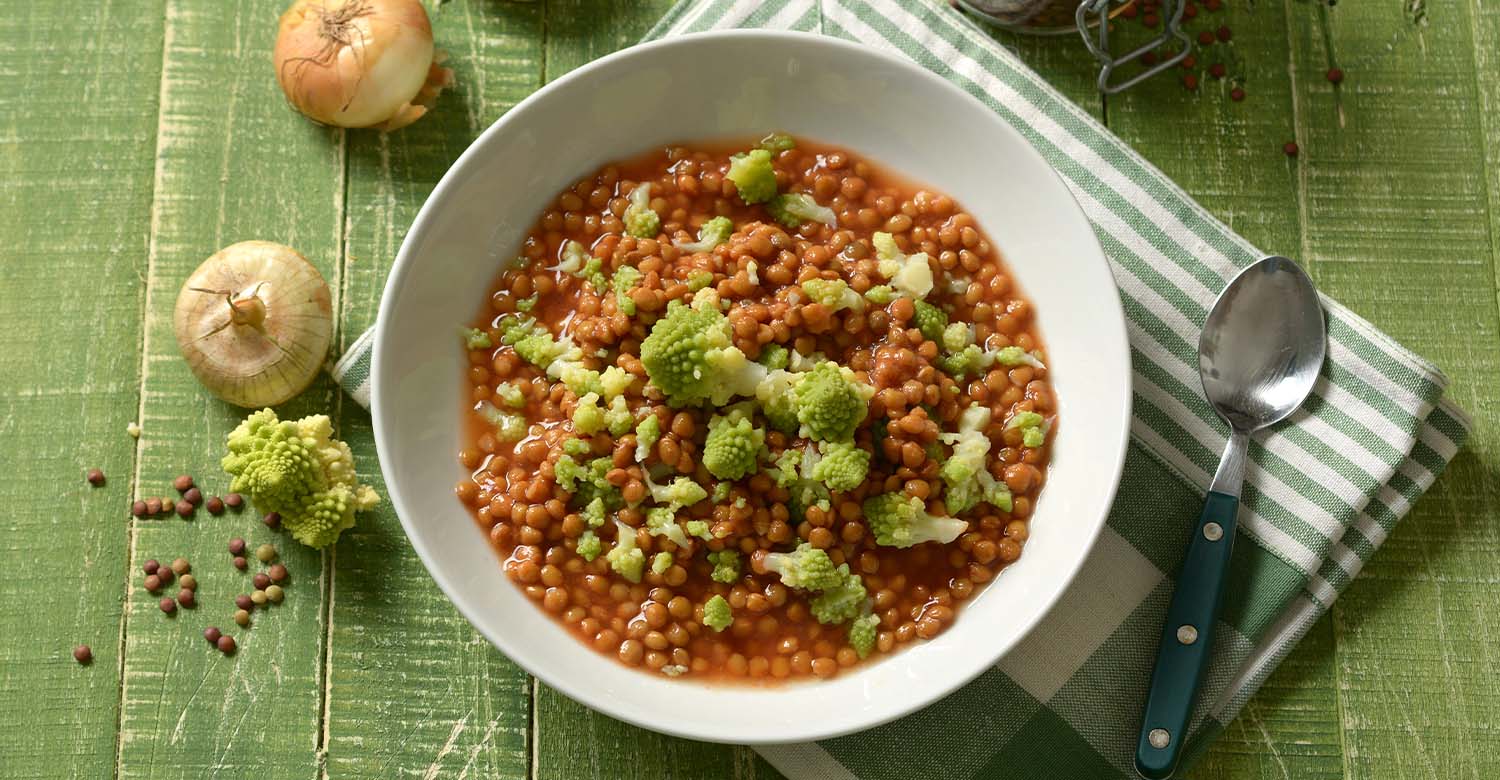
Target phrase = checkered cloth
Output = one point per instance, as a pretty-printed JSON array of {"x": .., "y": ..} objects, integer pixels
[{"x": 1323, "y": 490}]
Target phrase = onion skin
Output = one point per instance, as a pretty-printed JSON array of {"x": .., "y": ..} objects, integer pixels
[
  {"x": 254, "y": 323},
  {"x": 359, "y": 63}
]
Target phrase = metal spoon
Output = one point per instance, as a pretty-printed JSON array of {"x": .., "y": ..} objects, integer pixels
[{"x": 1261, "y": 349}]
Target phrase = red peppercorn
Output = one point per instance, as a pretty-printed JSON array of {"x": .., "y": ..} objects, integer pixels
[
  {"x": 1335, "y": 75},
  {"x": 1190, "y": 12},
  {"x": 1290, "y": 147},
  {"x": 1236, "y": 94},
  {"x": 226, "y": 644},
  {"x": 83, "y": 655},
  {"x": 1212, "y": 5},
  {"x": 1130, "y": 11},
  {"x": 1150, "y": 20},
  {"x": 1149, "y": 58},
  {"x": 1190, "y": 81},
  {"x": 212, "y": 634},
  {"x": 1223, "y": 33},
  {"x": 1217, "y": 70},
  {"x": 1189, "y": 62},
  {"x": 1205, "y": 38}
]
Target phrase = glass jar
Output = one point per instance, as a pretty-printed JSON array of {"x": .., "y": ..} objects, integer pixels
[{"x": 1090, "y": 19}]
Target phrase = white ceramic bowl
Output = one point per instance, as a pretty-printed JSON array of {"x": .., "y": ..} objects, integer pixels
[{"x": 744, "y": 84}]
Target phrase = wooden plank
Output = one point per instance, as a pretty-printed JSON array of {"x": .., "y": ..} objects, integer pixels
[
  {"x": 1398, "y": 222},
  {"x": 1229, "y": 156},
  {"x": 233, "y": 163},
  {"x": 414, "y": 690},
  {"x": 77, "y": 122}
]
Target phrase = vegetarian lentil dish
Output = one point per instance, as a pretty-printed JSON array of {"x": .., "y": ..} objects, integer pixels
[{"x": 754, "y": 414}]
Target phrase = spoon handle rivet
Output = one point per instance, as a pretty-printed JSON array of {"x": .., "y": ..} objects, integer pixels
[
  {"x": 1159, "y": 738},
  {"x": 1213, "y": 532},
  {"x": 1187, "y": 634}
]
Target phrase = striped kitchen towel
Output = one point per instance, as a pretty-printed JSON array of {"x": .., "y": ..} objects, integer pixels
[{"x": 1324, "y": 490}]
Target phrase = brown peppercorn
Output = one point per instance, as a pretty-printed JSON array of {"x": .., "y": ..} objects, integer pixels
[
  {"x": 1236, "y": 94},
  {"x": 240, "y": 562},
  {"x": 182, "y": 483},
  {"x": 95, "y": 477},
  {"x": 226, "y": 644},
  {"x": 187, "y": 598},
  {"x": 167, "y": 605},
  {"x": 153, "y": 506},
  {"x": 188, "y": 582},
  {"x": 138, "y": 509},
  {"x": 193, "y": 496},
  {"x": 168, "y": 505},
  {"x": 151, "y": 566},
  {"x": 215, "y": 505},
  {"x": 185, "y": 509},
  {"x": 272, "y": 521},
  {"x": 236, "y": 546},
  {"x": 1223, "y": 33},
  {"x": 234, "y": 500},
  {"x": 243, "y": 601},
  {"x": 1290, "y": 148},
  {"x": 82, "y": 654},
  {"x": 181, "y": 566},
  {"x": 212, "y": 634},
  {"x": 165, "y": 575},
  {"x": 260, "y": 580},
  {"x": 1217, "y": 70},
  {"x": 277, "y": 572},
  {"x": 1205, "y": 38},
  {"x": 153, "y": 583},
  {"x": 1335, "y": 75}
]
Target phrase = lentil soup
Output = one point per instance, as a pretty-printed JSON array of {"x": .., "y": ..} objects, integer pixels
[{"x": 754, "y": 415}]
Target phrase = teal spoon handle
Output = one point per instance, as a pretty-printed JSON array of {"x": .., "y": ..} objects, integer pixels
[{"x": 1186, "y": 638}]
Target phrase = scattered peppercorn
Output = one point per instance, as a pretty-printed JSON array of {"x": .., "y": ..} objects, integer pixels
[
  {"x": 236, "y": 546},
  {"x": 1335, "y": 75},
  {"x": 259, "y": 598},
  {"x": 167, "y": 505},
  {"x": 1290, "y": 147},
  {"x": 187, "y": 598},
  {"x": 1149, "y": 58},
  {"x": 260, "y": 580},
  {"x": 1212, "y": 5},
  {"x": 95, "y": 477},
  {"x": 153, "y": 506},
  {"x": 138, "y": 509},
  {"x": 82, "y": 654},
  {"x": 215, "y": 505},
  {"x": 185, "y": 509},
  {"x": 151, "y": 566},
  {"x": 234, "y": 500},
  {"x": 182, "y": 483},
  {"x": 275, "y": 594},
  {"x": 242, "y": 617},
  {"x": 1205, "y": 38},
  {"x": 193, "y": 496},
  {"x": 266, "y": 553},
  {"x": 1190, "y": 81},
  {"x": 1189, "y": 62},
  {"x": 153, "y": 583},
  {"x": 243, "y": 601},
  {"x": 1190, "y": 12},
  {"x": 226, "y": 644},
  {"x": 240, "y": 562},
  {"x": 1150, "y": 19},
  {"x": 188, "y": 582},
  {"x": 277, "y": 572},
  {"x": 1236, "y": 94},
  {"x": 168, "y": 605},
  {"x": 212, "y": 634},
  {"x": 165, "y": 575},
  {"x": 1217, "y": 70},
  {"x": 181, "y": 566},
  {"x": 272, "y": 521},
  {"x": 1223, "y": 33}
]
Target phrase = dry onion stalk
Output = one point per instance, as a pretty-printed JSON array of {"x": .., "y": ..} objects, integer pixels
[
  {"x": 254, "y": 323},
  {"x": 359, "y": 63}
]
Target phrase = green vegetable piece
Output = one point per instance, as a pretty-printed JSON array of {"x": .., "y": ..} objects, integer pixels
[
  {"x": 594, "y": 513},
  {"x": 716, "y": 614},
  {"x": 526, "y": 304},
  {"x": 662, "y": 521},
  {"x": 807, "y": 567},
  {"x": 880, "y": 294},
  {"x": 726, "y": 566},
  {"x": 589, "y": 546},
  {"x": 661, "y": 562},
  {"x": 588, "y": 418},
  {"x": 625, "y": 280},
  {"x": 679, "y": 493},
  {"x": 298, "y": 470},
  {"x": 577, "y": 448},
  {"x": 830, "y": 405},
  {"x": 699, "y": 280},
  {"x": 690, "y": 356},
  {"x": 509, "y": 426},
  {"x": 862, "y": 634},
  {"x": 640, "y": 220},
  {"x": 957, "y": 337},
  {"x": 898, "y": 520},
  {"x": 966, "y": 362},
  {"x": 511, "y": 395},
  {"x": 843, "y": 465},
  {"x": 791, "y": 209},
  {"x": 930, "y": 320},
  {"x": 841, "y": 602},
  {"x": 773, "y": 356},
  {"x": 732, "y": 449},
  {"x": 699, "y": 529},
  {"x": 1034, "y": 437},
  {"x": 777, "y": 143},
  {"x": 647, "y": 432},
  {"x": 1024, "y": 420},
  {"x": 475, "y": 338},
  {"x": 753, "y": 176},
  {"x": 626, "y": 557},
  {"x": 908, "y": 274},
  {"x": 1015, "y": 356},
  {"x": 617, "y": 418},
  {"x": 713, "y": 233},
  {"x": 834, "y": 294}
]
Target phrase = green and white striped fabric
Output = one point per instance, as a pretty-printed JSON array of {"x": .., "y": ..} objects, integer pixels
[{"x": 1324, "y": 491}]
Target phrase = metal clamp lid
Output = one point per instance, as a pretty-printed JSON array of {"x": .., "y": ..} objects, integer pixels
[{"x": 1099, "y": 43}]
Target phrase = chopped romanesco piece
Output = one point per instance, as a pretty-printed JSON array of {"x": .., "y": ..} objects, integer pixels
[
  {"x": 1024, "y": 420},
  {"x": 698, "y": 280},
  {"x": 732, "y": 448},
  {"x": 791, "y": 209},
  {"x": 776, "y": 143},
  {"x": 716, "y": 614},
  {"x": 909, "y": 274},
  {"x": 699, "y": 529},
  {"x": 862, "y": 634},
  {"x": 526, "y": 304},
  {"x": 773, "y": 356},
  {"x": 300, "y": 471},
  {"x": 661, "y": 562},
  {"x": 588, "y": 418},
  {"x": 577, "y": 447},
  {"x": 617, "y": 418},
  {"x": 690, "y": 356},
  {"x": 640, "y": 220},
  {"x": 509, "y": 426},
  {"x": 1015, "y": 356},
  {"x": 594, "y": 513},
  {"x": 753, "y": 176},
  {"x": 807, "y": 567},
  {"x": 625, "y": 279},
  {"x": 726, "y": 566},
  {"x": 626, "y": 557},
  {"x": 679, "y": 493},
  {"x": 965, "y": 471},
  {"x": 511, "y": 394},
  {"x": 843, "y": 601},
  {"x": 713, "y": 233},
  {"x": 834, "y": 294},
  {"x": 830, "y": 404},
  {"x": 662, "y": 521},
  {"x": 589, "y": 546},
  {"x": 843, "y": 465},
  {"x": 898, "y": 520},
  {"x": 475, "y": 338},
  {"x": 880, "y": 294},
  {"x": 930, "y": 320},
  {"x": 957, "y": 336},
  {"x": 647, "y": 432}
]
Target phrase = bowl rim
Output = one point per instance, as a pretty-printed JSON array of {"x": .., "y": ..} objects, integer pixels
[{"x": 403, "y": 265}]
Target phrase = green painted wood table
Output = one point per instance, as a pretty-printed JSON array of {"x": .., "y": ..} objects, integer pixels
[{"x": 138, "y": 136}]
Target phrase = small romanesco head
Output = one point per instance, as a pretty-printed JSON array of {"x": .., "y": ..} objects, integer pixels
[
  {"x": 753, "y": 176},
  {"x": 732, "y": 449},
  {"x": 716, "y": 614},
  {"x": 640, "y": 220},
  {"x": 830, "y": 404},
  {"x": 843, "y": 466},
  {"x": 726, "y": 566},
  {"x": 297, "y": 469},
  {"x": 841, "y": 602},
  {"x": 676, "y": 353},
  {"x": 806, "y": 567},
  {"x": 862, "y": 634}
]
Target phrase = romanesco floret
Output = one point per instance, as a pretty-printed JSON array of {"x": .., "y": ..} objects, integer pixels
[
  {"x": 753, "y": 176},
  {"x": 613, "y": 382},
  {"x": 726, "y": 566},
  {"x": 862, "y": 634},
  {"x": 880, "y": 294},
  {"x": 589, "y": 546},
  {"x": 509, "y": 426},
  {"x": 834, "y": 294},
  {"x": 699, "y": 529},
  {"x": 962, "y": 363},
  {"x": 784, "y": 471},
  {"x": 534, "y": 343},
  {"x": 1015, "y": 356},
  {"x": 617, "y": 418},
  {"x": 588, "y": 418},
  {"x": 300, "y": 471},
  {"x": 625, "y": 280},
  {"x": 909, "y": 274},
  {"x": 526, "y": 304},
  {"x": 776, "y": 143},
  {"x": 843, "y": 465},
  {"x": 647, "y": 433},
  {"x": 587, "y": 482},
  {"x": 576, "y": 260},
  {"x": 793, "y": 208},
  {"x": 714, "y": 232},
  {"x": 830, "y": 403},
  {"x": 773, "y": 356},
  {"x": 777, "y": 396},
  {"x": 898, "y": 520},
  {"x": 721, "y": 492},
  {"x": 510, "y": 394},
  {"x": 1033, "y": 428},
  {"x": 964, "y": 472},
  {"x": 690, "y": 356},
  {"x": 957, "y": 336},
  {"x": 661, "y": 562},
  {"x": 930, "y": 320},
  {"x": 806, "y": 567},
  {"x": 732, "y": 448},
  {"x": 577, "y": 447},
  {"x": 640, "y": 220},
  {"x": 843, "y": 601},
  {"x": 475, "y": 338},
  {"x": 662, "y": 521},
  {"x": 698, "y": 280},
  {"x": 594, "y": 513},
  {"x": 626, "y": 557},
  {"x": 679, "y": 493},
  {"x": 716, "y": 614}
]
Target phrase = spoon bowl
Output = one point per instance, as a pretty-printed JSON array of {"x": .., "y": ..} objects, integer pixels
[{"x": 1262, "y": 345}]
